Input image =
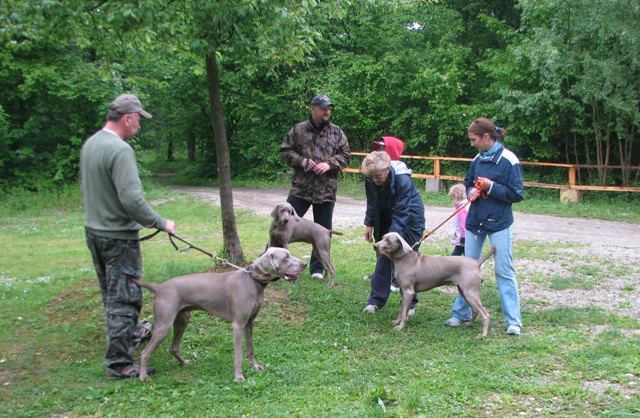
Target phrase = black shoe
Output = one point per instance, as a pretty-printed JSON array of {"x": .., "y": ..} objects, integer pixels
[{"x": 132, "y": 370}]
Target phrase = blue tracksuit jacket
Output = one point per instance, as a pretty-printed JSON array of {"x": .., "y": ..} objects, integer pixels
[{"x": 494, "y": 213}]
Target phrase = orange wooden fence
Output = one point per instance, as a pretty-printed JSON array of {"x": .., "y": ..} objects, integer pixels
[{"x": 571, "y": 168}]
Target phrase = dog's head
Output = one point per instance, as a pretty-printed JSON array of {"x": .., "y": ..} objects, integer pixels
[
  {"x": 393, "y": 246},
  {"x": 283, "y": 213},
  {"x": 276, "y": 263}
]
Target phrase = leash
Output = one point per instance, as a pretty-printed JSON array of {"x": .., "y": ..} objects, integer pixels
[
  {"x": 442, "y": 223},
  {"x": 190, "y": 246},
  {"x": 478, "y": 185}
]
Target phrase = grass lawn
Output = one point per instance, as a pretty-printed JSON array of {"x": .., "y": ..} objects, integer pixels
[{"x": 323, "y": 356}]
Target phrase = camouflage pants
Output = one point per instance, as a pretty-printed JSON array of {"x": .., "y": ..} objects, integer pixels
[{"x": 116, "y": 261}]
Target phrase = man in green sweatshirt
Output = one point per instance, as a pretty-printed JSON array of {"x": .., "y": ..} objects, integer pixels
[{"x": 115, "y": 211}]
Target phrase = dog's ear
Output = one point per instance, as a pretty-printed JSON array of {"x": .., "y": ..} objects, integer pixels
[
  {"x": 405, "y": 246},
  {"x": 274, "y": 212},
  {"x": 263, "y": 268}
]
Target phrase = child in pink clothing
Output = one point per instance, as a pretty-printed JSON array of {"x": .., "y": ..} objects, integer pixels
[{"x": 458, "y": 194}]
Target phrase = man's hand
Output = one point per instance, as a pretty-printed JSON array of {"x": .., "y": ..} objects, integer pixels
[
  {"x": 321, "y": 168},
  {"x": 308, "y": 164},
  {"x": 171, "y": 227}
]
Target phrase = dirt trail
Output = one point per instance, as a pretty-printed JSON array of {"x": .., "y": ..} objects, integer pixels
[{"x": 349, "y": 212}]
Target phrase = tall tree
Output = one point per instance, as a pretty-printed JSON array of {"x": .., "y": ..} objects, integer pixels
[{"x": 258, "y": 34}]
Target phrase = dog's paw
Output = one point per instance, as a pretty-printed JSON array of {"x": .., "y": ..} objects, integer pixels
[
  {"x": 258, "y": 367},
  {"x": 239, "y": 378},
  {"x": 481, "y": 336},
  {"x": 144, "y": 378},
  {"x": 399, "y": 327}
]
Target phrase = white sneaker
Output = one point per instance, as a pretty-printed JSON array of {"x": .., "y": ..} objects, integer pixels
[
  {"x": 370, "y": 309},
  {"x": 318, "y": 276},
  {"x": 394, "y": 288},
  {"x": 513, "y": 330},
  {"x": 412, "y": 311}
]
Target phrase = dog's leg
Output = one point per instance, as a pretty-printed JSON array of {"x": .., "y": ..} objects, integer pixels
[
  {"x": 325, "y": 259},
  {"x": 407, "y": 297},
  {"x": 248, "y": 340},
  {"x": 179, "y": 326},
  {"x": 160, "y": 332},
  {"x": 333, "y": 275},
  {"x": 238, "y": 333},
  {"x": 473, "y": 299}
]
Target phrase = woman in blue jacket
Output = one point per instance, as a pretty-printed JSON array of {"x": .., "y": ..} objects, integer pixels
[
  {"x": 393, "y": 205},
  {"x": 500, "y": 173}
]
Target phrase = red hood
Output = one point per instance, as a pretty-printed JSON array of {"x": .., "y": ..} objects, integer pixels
[{"x": 393, "y": 147}]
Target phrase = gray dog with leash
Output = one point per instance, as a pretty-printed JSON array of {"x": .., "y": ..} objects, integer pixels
[
  {"x": 417, "y": 273},
  {"x": 233, "y": 296}
]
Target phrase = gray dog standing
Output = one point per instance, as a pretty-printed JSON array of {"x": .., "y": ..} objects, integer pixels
[
  {"x": 287, "y": 227},
  {"x": 417, "y": 273},
  {"x": 233, "y": 296}
]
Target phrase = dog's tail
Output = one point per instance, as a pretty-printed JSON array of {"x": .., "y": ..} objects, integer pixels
[
  {"x": 332, "y": 232},
  {"x": 486, "y": 257},
  {"x": 151, "y": 286}
]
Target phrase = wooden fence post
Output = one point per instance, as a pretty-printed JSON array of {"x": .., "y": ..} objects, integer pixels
[
  {"x": 571, "y": 195},
  {"x": 434, "y": 185}
]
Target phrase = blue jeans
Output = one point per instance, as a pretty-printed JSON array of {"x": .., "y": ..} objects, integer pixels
[{"x": 505, "y": 276}]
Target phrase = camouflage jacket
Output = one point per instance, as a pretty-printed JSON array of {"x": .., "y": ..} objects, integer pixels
[{"x": 325, "y": 144}]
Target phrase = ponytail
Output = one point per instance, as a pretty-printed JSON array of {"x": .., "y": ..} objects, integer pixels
[{"x": 483, "y": 126}]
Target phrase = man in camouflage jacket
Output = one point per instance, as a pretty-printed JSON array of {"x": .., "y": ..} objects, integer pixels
[{"x": 317, "y": 150}]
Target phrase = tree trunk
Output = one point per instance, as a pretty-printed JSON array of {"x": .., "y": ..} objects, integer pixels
[
  {"x": 191, "y": 146},
  {"x": 170, "y": 149},
  {"x": 229, "y": 229},
  {"x": 597, "y": 126}
]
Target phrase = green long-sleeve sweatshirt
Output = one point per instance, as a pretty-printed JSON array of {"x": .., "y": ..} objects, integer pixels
[{"x": 114, "y": 203}]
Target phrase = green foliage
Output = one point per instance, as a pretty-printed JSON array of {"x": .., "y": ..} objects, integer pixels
[
  {"x": 570, "y": 80},
  {"x": 562, "y": 77}
]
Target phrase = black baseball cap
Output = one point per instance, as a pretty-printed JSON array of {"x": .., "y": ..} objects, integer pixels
[{"x": 322, "y": 100}]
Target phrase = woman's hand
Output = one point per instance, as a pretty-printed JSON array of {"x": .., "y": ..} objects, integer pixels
[
  {"x": 368, "y": 234},
  {"x": 483, "y": 185},
  {"x": 486, "y": 183}
]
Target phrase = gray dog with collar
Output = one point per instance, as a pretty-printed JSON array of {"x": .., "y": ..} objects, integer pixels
[
  {"x": 287, "y": 227},
  {"x": 416, "y": 273},
  {"x": 234, "y": 296}
]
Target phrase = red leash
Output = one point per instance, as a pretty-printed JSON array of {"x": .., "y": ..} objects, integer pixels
[
  {"x": 483, "y": 193},
  {"x": 442, "y": 223}
]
